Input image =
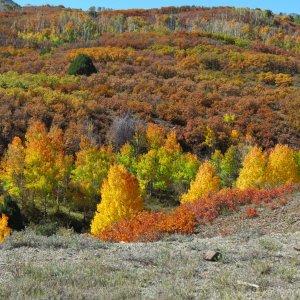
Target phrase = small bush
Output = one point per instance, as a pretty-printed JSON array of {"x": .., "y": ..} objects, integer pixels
[
  {"x": 251, "y": 212},
  {"x": 211, "y": 61},
  {"x": 46, "y": 229},
  {"x": 82, "y": 65}
]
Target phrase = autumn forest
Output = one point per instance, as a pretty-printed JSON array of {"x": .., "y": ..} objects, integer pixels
[{"x": 134, "y": 125}]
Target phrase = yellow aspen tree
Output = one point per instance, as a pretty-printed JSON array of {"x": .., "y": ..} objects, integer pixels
[
  {"x": 12, "y": 170},
  {"x": 206, "y": 181},
  {"x": 120, "y": 199},
  {"x": 282, "y": 167},
  {"x": 4, "y": 229},
  {"x": 252, "y": 174},
  {"x": 46, "y": 165}
]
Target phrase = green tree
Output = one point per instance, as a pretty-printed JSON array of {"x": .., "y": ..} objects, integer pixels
[
  {"x": 127, "y": 158},
  {"x": 166, "y": 171},
  {"x": 229, "y": 166},
  {"x": 91, "y": 167}
]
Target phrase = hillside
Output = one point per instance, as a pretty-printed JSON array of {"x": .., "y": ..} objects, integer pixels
[
  {"x": 183, "y": 103},
  {"x": 134, "y": 143},
  {"x": 260, "y": 261},
  {"x": 182, "y": 68},
  {"x": 6, "y": 5}
]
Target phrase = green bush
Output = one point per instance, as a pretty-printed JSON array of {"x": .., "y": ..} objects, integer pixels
[
  {"x": 46, "y": 229},
  {"x": 82, "y": 65}
]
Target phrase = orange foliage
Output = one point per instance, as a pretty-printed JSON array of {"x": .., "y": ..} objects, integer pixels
[
  {"x": 155, "y": 136},
  {"x": 149, "y": 226},
  {"x": 4, "y": 229}
]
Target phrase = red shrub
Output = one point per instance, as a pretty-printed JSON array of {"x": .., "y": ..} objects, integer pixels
[
  {"x": 149, "y": 226},
  {"x": 251, "y": 212}
]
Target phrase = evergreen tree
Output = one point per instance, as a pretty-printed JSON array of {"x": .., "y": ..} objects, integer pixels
[{"x": 82, "y": 65}]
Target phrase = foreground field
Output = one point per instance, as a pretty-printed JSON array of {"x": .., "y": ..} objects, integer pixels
[{"x": 72, "y": 266}]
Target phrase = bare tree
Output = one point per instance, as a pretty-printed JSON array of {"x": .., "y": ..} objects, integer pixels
[{"x": 123, "y": 129}]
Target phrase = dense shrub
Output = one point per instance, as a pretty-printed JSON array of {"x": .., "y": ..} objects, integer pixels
[
  {"x": 46, "y": 228},
  {"x": 82, "y": 65}
]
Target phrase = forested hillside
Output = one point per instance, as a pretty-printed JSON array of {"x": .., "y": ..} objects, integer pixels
[{"x": 146, "y": 108}]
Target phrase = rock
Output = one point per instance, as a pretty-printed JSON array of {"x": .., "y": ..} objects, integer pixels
[
  {"x": 252, "y": 286},
  {"x": 212, "y": 255},
  {"x": 297, "y": 248}
]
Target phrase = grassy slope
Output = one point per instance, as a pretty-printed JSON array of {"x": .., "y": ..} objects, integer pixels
[{"x": 69, "y": 266}]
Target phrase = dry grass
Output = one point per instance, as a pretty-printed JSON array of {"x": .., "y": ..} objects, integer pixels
[
  {"x": 73, "y": 266},
  {"x": 78, "y": 267}
]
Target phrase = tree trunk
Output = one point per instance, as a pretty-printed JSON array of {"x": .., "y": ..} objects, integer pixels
[{"x": 45, "y": 207}]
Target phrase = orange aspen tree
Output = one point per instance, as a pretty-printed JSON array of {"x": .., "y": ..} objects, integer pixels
[
  {"x": 155, "y": 136},
  {"x": 4, "y": 229}
]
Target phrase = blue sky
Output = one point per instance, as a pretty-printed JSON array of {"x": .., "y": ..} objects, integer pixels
[{"x": 286, "y": 6}]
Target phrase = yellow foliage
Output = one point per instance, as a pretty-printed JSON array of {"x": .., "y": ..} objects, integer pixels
[
  {"x": 282, "y": 167},
  {"x": 189, "y": 62},
  {"x": 206, "y": 182},
  {"x": 104, "y": 53},
  {"x": 280, "y": 79},
  {"x": 252, "y": 175},
  {"x": 16, "y": 52},
  {"x": 4, "y": 229},
  {"x": 234, "y": 134},
  {"x": 283, "y": 80},
  {"x": 155, "y": 136},
  {"x": 121, "y": 198}
]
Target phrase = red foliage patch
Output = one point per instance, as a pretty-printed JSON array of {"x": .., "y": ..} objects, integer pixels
[
  {"x": 149, "y": 226},
  {"x": 251, "y": 212}
]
